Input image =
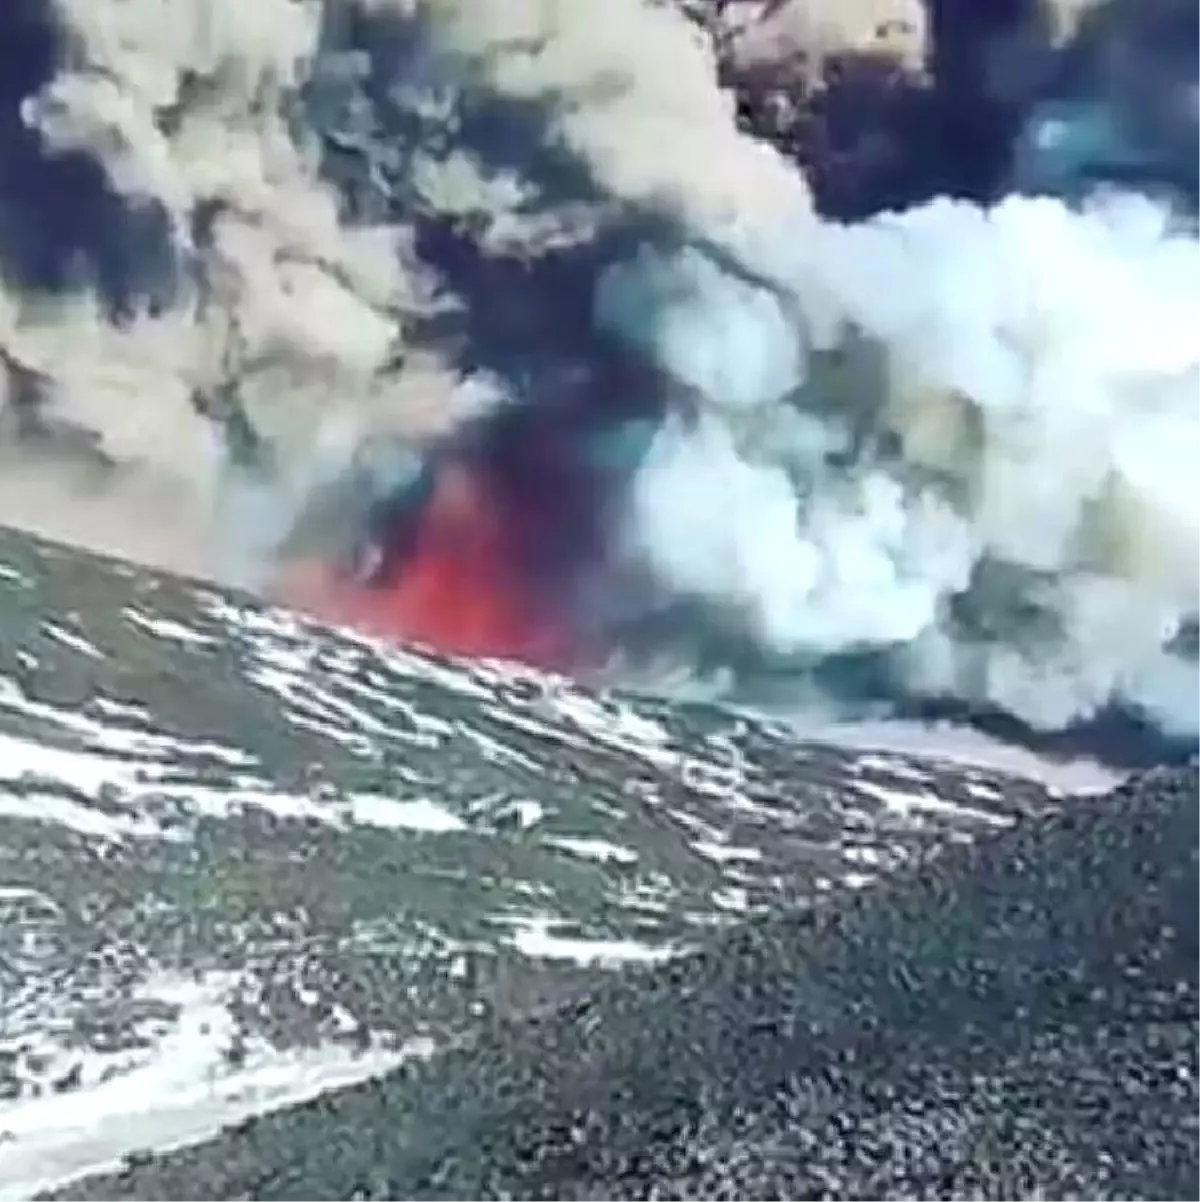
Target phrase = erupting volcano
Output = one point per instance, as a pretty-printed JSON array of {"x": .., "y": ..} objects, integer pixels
[
  {"x": 491, "y": 551},
  {"x": 458, "y": 589}
]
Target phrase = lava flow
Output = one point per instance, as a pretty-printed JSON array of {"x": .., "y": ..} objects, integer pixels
[{"x": 461, "y": 586}]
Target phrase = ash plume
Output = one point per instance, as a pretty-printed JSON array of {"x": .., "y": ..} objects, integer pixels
[{"x": 947, "y": 449}]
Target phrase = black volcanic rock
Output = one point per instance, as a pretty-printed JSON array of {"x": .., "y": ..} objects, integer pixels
[
  {"x": 342, "y": 849},
  {"x": 226, "y": 833},
  {"x": 1014, "y": 1019}
]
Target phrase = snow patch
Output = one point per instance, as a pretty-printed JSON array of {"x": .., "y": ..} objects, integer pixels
[
  {"x": 181, "y": 1090},
  {"x": 535, "y": 936}
]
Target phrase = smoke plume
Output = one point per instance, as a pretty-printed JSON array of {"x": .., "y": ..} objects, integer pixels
[{"x": 952, "y": 448}]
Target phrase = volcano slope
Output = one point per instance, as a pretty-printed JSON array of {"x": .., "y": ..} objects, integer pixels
[
  {"x": 245, "y": 861},
  {"x": 241, "y": 857},
  {"x": 1018, "y": 1019}
]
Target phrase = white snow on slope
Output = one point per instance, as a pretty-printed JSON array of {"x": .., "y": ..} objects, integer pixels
[
  {"x": 37, "y": 779},
  {"x": 180, "y": 1090},
  {"x": 105, "y": 768}
]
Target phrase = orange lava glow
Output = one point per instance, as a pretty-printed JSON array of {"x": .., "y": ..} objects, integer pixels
[{"x": 461, "y": 590}]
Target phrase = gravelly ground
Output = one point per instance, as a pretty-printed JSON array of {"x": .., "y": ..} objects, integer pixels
[
  {"x": 229, "y": 841},
  {"x": 1016, "y": 1019}
]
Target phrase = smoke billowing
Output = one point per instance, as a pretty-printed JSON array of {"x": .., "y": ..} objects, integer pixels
[{"x": 948, "y": 451}]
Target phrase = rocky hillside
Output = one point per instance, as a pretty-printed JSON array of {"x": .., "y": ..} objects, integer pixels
[
  {"x": 213, "y": 816},
  {"x": 243, "y": 860}
]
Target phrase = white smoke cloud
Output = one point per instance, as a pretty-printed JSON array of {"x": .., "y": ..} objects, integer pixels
[
  {"x": 1035, "y": 415},
  {"x": 632, "y": 89}
]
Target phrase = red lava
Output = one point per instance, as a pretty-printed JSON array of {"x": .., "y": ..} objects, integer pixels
[{"x": 460, "y": 590}]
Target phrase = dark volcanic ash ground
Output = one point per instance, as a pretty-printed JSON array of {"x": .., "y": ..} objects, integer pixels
[
  {"x": 243, "y": 858},
  {"x": 246, "y": 860}
]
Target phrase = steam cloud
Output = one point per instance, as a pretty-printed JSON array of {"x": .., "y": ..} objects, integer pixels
[{"x": 962, "y": 440}]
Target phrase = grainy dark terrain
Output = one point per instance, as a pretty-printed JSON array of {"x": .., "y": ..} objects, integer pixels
[
  {"x": 234, "y": 844},
  {"x": 1015, "y": 1019}
]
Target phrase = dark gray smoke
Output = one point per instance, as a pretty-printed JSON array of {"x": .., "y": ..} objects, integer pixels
[{"x": 1119, "y": 107}]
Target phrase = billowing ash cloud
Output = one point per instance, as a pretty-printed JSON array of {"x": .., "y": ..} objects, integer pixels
[
  {"x": 181, "y": 289},
  {"x": 1000, "y": 486},
  {"x": 957, "y": 442}
]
